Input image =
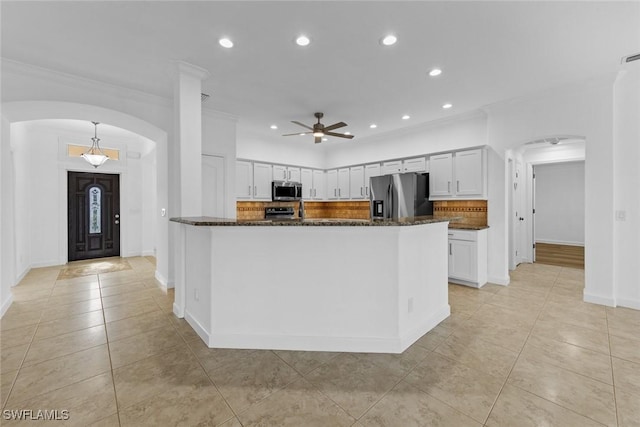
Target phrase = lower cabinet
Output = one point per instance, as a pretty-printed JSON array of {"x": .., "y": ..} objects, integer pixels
[{"x": 468, "y": 257}]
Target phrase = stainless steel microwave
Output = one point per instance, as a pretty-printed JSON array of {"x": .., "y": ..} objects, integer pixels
[{"x": 284, "y": 190}]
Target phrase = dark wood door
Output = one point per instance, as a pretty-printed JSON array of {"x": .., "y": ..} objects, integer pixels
[{"x": 94, "y": 215}]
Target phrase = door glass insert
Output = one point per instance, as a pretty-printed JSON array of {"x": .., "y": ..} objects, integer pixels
[{"x": 95, "y": 199}]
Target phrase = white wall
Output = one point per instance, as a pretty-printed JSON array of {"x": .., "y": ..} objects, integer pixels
[
  {"x": 295, "y": 150},
  {"x": 22, "y": 201},
  {"x": 559, "y": 204},
  {"x": 626, "y": 199},
  {"x": 7, "y": 257}
]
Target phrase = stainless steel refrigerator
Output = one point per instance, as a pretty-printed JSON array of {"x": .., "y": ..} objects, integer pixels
[{"x": 400, "y": 195}]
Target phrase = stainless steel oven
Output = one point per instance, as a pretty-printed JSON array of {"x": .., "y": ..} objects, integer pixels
[{"x": 286, "y": 190}]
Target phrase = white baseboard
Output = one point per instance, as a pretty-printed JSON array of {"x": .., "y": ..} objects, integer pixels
[
  {"x": 599, "y": 299},
  {"x": 6, "y": 304},
  {"x": 629, "y": 303},
  {"x": 559, "y": 242},
  {"x": 200, "y": 330},
  {"x": 149, "y": 253},
  {"x": 22, "y": 275},
  {"x": 41, "y": 264},
  {"x": 425, "y": 327},
  {"x": 178, "y": 311},
  {"x": 164, "y": 283},
  {"x": 503, "y": 281}
]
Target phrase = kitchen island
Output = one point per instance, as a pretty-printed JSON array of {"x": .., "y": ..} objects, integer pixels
[{"x": 324, "y": 285}]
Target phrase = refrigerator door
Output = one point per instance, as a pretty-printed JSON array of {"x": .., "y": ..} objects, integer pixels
[
  {"x": 404, "y": 195},
  {"x": 380, "y": 196}
]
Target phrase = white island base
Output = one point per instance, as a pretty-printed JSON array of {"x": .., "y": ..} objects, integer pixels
[{"x": 318, "y": 288}]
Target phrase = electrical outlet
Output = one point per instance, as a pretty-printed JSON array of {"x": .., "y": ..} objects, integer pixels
[
  {"x": 410, "y": 305},
  {"x": 163, "y": 212},
  {"x": 621, "y": 215},
  {"x": 196, "y": 294}
]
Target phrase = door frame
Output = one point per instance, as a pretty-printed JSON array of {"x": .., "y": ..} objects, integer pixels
[{"x": 63, "y": 237}]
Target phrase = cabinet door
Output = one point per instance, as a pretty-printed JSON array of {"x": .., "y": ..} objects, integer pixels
[
  {"x": 468, "y": 172},
  {"x": 419, "y": 164},
  {"x": 293, "y": 174},
  {"x": 391, "y": 167},
  {"x": 262, "y": 181},
  {"x": 244, "y": 180},
  {"x": 463, "y": 262},
  {"x": 279, "y": 173},
  {"x": 306, "y": 179},
  {"x": 440, "y": 175},
  {"x": 370, "y": 171},
  {"x": 343, "y": 183},
  {"x": 319, "y": 185},
  {"x": 332, "y": 184},
  {"x": 356, "y": 186}
]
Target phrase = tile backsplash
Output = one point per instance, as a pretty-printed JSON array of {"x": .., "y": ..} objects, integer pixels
[
  {"x": 473, "y": 212},
  {"x": 347, "y": 209}
]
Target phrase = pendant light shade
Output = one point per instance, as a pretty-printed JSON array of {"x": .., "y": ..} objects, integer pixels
[{"x": 94, "y": 155}]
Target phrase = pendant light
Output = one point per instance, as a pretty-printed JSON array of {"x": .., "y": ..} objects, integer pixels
[{"x": 94, "y": 155}]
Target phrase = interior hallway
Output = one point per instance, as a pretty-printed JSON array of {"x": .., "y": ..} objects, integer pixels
[{"x": 106, "y": 347}]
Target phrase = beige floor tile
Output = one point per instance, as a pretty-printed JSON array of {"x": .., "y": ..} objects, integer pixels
[
  {"x": 501, "y": 334},
  {"x": 478, "y": 354},
  {"x": 175, "y": 370},
  {"x": 6, "y": 382},
  {"x": 572, "y": 334},
  {"x": 126, "y": 298},
  {"x": 354, "y": 384},
  {"x": 468, "y": 390},
  {"x": 622, "y": 324},
  {"x": 61, "y": 345},
  {"x": 69, "y": 288},
  {"x": 11, "y": 357},
  {"x": 133, "y": 308},
  {"x": 516, "y": 407},
  {"x": 561, "y": 303},
  {"x": 135, "y": 325},
  {"x": 110, "y": 421},
  {"x": 628, "y": 408},
  {"x": 188, "y": 406},
  {"x": 74, "y": 297},
  {"x": 578, "y": 318},
  {"x": 251, "y": 378},
  {"x": 520, "y": 304},
  {"x": 452, "y": 323},
  {"x": 60, "y": 372},
  {"x": 17, "y": 336},
  {"x": 399, "y": 364},
  {"x": 626, "y": 375},
  {"x": 69, "y": 324},
  {"x": 13, "y": 319},
  {"x": 568, "y": 356},
  {"x": 67, "y": 310},
  {"x": 123, "y": 289},
  {"x": 586, "y": 396},
  {"x": 492, "y": 314},
  {"x": 305, "y": 361},
  {"x": 233, "y": 422},
  {"x": 92, "y": 278},
  {"x": 87, "y": 401},
  {"x": 211, "y": 358},
  {"x": 432, "y": 339},
  {"x": 182, "y": 326},
  {"x": 30, "y": 293},
  {"x": 407, "y": 406},
  {"x": 165, "y": 303},
  {"x": 299, "y": 404},
  {"x": 24, "y": 307},
  {"x": 131, "y": 349},
  {"x": 625, "y": 348},
  {"x": 522, "y": 293}
]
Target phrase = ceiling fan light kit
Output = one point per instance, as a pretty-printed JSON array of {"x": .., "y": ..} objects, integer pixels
[{"x": 319, "y": 131}]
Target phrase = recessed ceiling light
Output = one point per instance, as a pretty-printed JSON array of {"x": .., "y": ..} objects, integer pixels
[
  {"x": 225, "y": 42},
  {"x": 325, "y": 139},
  {"x": 274, "y": 127},
  {"x": 389, "y": 40},
  {"x": 406, "y": 117},
  {"x": 447, "y": 106},
  {"x": 435, "y": 72},
  {"x": 303, "y": 40},
  {"x": 303, "y": 134},
  {"x": 347, "y": 133},
  {"x": 373, "y": 126}
]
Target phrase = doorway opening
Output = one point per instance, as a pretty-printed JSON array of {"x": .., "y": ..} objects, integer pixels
[{"x": 93, "y": 215}]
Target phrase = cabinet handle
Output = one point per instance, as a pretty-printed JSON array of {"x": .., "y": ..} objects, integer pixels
[
  {"x": 249, "y": 191},
  {"x": 450, "y": 252},
  {"x": 289, "y": 177},
  {"x": 255, "y": 190},
  {"x": 448, "y": 186},
  {"x": 457, "y": 186},
  {"x": 361, "y": 191},
  {"x": 335, "y": 192},
  {"x": 339, "y": 192}
]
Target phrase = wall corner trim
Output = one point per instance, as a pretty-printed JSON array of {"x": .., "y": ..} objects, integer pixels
[
  {"x": 599, "y": 299},
  {"x": 629, "y": 303},
  {"x": 502, "y": 281}
]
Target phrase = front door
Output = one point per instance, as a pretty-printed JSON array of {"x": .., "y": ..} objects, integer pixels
[{"x": 94, "y": 215}]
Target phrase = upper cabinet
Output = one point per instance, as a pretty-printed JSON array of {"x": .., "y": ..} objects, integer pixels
[
  {"x": 459, "y": 175},
  {"x": 306, "y": 179},
  {"x": 418, "y": 164},
  {"x": 244, "y": 180},
  {"x": 253, "y": 180},
  {"x": 369, "y": 172},
  {"x": 332, "y": 184},
  {"x": 356, "y": 186},
  {"x": 343, "y": 183},
  {"x": 286, "y": 173},
  {"x": 391, "y": 167},
  {"x": 319, "y": 185}
]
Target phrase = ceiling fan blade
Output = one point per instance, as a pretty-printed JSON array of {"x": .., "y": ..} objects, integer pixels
[
  {"x": 339, "y": 135},
  {"x": 335, "y": 126},
  {"x": 302, "y": 124},
  {"x": 297, "y": 133},
  {"x": 317, "y": 139}
]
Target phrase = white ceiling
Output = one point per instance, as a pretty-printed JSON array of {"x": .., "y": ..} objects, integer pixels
[{"x": 488, "y": 51}]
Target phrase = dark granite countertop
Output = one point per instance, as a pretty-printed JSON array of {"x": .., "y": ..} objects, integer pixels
[
  {"x": 210, "y": 221},
  {"x": 455, "y": 226}
]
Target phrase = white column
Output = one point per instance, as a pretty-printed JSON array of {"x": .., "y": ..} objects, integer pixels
[{"x": 188, "y": 131}]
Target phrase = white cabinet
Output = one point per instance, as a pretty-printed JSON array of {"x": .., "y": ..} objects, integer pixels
[
  {"x": 440, "y": 175},
  {"x": 319, "y": 185},
  {"x": 356, "y": 186},
  {"x": 468, "y": 257},
  {"x": 244, "y": 180},
  {"x": 306, "y": 179},
  {"x": 286, "y": 173},
  {"x": 343, "y": 183},
  {"x": 418, "y": 164},
  {"x": 460, "y": 175},
  {"x": 370, "y": 171},
  {"x": 468, "y": 166},
  {"x": 262, "y": 177},
  {"x": 391, "y": 167},
  {"x": 332, "y": 184}
]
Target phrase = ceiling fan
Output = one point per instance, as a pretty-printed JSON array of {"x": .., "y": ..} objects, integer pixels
[{"x": 319, "y": 130}]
